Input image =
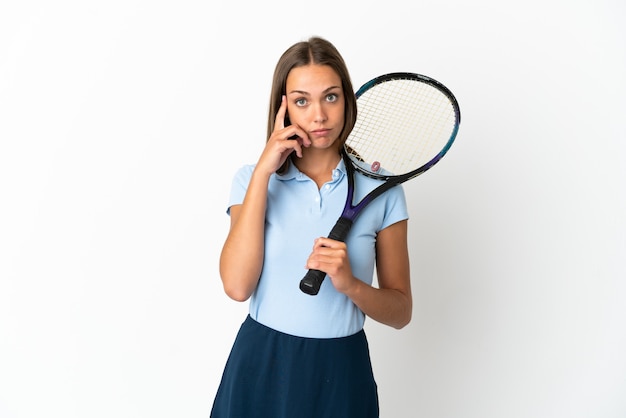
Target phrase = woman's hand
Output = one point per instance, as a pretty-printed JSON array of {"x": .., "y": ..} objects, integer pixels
[
  {"x": 391, "y": 303},
  {"x": 279, "y": 145},
  {"x": 331, "y": 257}
]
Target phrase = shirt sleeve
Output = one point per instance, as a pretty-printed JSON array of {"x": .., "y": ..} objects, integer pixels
[
  {"x": 395, "y": 207},
  {"x": 239, "y": 186}
]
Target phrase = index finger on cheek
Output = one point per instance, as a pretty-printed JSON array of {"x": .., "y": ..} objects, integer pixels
[{"x": 280, "y": 114}]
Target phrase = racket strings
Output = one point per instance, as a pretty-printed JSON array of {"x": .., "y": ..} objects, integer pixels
[{"x": 401, "y": 125}]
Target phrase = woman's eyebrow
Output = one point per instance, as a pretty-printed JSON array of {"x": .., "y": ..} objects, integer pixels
[{"x": 307, "y": 93}]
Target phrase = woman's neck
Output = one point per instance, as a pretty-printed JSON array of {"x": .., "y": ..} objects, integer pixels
[{"x": 318, "y": 165}]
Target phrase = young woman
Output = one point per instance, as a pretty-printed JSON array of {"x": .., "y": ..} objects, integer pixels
[{"x": 297, "y": 355}]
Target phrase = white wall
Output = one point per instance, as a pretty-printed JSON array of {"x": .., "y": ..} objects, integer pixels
[{"x": 122, "y": 122}]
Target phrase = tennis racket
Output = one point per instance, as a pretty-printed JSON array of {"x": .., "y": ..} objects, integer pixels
[{"x": 406, "y": 123}]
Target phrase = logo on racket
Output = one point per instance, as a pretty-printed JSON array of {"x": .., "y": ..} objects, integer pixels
[{"x": 375, "y": 166}]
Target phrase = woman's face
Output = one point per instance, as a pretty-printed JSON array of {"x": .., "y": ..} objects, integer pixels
[{"x": 315, "y": 102}]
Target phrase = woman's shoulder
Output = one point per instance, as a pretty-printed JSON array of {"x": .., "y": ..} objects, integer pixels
[
  {"x": 244, "y": 171},
  {"x": 246, "y": 168}
]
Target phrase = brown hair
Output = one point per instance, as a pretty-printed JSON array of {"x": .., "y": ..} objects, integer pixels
[{"x": 313, "y": 51}]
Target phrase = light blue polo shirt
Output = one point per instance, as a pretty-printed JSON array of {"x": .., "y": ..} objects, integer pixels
[{"x": 298, "y": 213}]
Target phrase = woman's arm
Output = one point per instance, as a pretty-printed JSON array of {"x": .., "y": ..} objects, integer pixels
[
  {"x": 391, "y": 303},
  {"x": 241, "y": 259}
]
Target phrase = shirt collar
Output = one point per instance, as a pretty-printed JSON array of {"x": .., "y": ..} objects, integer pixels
[{"x": 293, "y": 172}]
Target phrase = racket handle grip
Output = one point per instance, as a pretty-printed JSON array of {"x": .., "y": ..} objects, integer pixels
[
  {"x": 313, "y": 279},
  {"x": 312, "y": 282}
]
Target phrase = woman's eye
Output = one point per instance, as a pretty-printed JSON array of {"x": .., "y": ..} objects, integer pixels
[
  {"x": 331, "y": 98},
  {"x": 300, "y": 102}
]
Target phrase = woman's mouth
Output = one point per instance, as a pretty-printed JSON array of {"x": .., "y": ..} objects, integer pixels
[{"x": 320, "y": 132}]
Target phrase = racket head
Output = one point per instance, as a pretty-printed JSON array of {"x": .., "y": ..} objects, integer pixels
[{"x": 406, "y": 122}]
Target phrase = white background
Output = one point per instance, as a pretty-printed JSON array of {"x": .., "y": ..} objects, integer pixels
[{"x": 122, "y": 123}]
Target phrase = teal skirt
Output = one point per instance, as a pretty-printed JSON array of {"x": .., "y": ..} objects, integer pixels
[{"x": 270, "y": 374}]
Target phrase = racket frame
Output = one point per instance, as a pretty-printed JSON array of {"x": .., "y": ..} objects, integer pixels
[{"x": 313, "y": 279}]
